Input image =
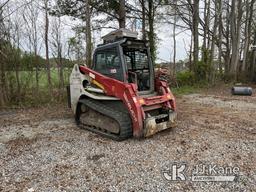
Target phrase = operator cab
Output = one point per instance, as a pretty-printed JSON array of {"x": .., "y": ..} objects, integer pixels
[{"x": 126, "y": 59}]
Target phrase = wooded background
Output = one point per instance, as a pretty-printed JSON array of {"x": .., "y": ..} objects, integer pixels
[{"x": 36, "y": 59}]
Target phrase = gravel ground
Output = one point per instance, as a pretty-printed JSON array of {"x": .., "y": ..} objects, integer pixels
[{"x": 43, "y": 150}]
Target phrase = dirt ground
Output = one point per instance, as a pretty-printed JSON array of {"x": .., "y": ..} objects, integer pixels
[{"x": 43, "y": 150}]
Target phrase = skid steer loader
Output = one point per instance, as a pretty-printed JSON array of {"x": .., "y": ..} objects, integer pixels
[{"x": 121, "y": 96}]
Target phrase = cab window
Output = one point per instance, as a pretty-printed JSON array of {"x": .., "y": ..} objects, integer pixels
[{"x": 107, "y": 62}]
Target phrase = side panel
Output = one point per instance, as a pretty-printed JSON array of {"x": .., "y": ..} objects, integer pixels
[
  {"x": 75, "y": 80},
  {"x": 77, "y": 90}
]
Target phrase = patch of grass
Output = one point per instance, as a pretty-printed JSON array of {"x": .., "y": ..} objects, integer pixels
[
  {"x": 185, "y": 78},
  {"x": 28, "y": 96},
  {"x": 32, "y": 99},
  {"x": 28, "y": 78},
  {"x": 186, "y": 89}
]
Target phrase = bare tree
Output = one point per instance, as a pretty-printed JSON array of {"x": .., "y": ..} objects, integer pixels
[
  {"x": 122, "y": 14},
  {"x": 212, "y": 65},
  {"x": 220, "y": 29},
  {"x": 248, "y": 32},
  {"x": 17, "y": 53},
  {"x": 4, "y": 4},
  {"x": 174, "y": 39},
  {"x": 252, "y": 72},
  {"x": 206, "y": 27},
  {"x": 151, "y": 14},
  {"x": 236, "y": 18},
  {"x": 88, "y": 34},
  {"x": 195, "y": 32},
  {"x": 3, "y": 96},
  {"x": 47, "y": 45},
  {"x": 58, "y": 49},
  {"x": 31, "y": 18},
  {"x": 143, "y": 18},
  {"x": 4, "y": 33}
]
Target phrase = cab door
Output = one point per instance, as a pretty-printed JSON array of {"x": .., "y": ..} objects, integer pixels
[{"x": 107, "y": 61}]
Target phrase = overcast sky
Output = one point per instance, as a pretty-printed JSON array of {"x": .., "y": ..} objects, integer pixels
[
  {"x": 165, "y": 46},
  {"x": 165, "y": 43},
  {"x": 164, "y": 34}
]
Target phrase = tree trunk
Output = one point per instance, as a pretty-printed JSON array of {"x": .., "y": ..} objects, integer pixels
[
  {"x": 220, "y": 27},
  {"x": 212, "y": 65},
  {"x": 3, "y": 96},
  {"x": 47, "y": 47},
  {"x": 151, "y": 33},
  {"x": 206, "y": 32},
  {"x": 195, "y": 33},
  {"x": 190, "y": 55},
  {"x": 174, "y": 40},
  {"x": 248, "y": 32},
  {"x": 17, "y": 75},
  {"x": 37, "y": 71},
  {"x": 60, "y": 60},
  {"x": 61, "y": 76},
  {"x": 88, "y": 35},
  {"x": 122, "y": 14},
  {"x": 35, "y": 39},
  {"x": 17, "y": 65},
  {"x": 246, "y": 36},
  {"x": 143, "y": 20},
  {"x": 236, "y": 17},
  {"x": 253, "y": 61},
  {"x": 227, "y": 38}
]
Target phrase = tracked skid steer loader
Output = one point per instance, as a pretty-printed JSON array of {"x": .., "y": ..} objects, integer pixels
[{"x": 120, "y": 96}]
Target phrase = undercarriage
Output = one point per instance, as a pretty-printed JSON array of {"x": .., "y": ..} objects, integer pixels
[{"x": 108, "y": 118}]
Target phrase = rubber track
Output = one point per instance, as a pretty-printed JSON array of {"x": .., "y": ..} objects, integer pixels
[{"x": 121, "y": 116}]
